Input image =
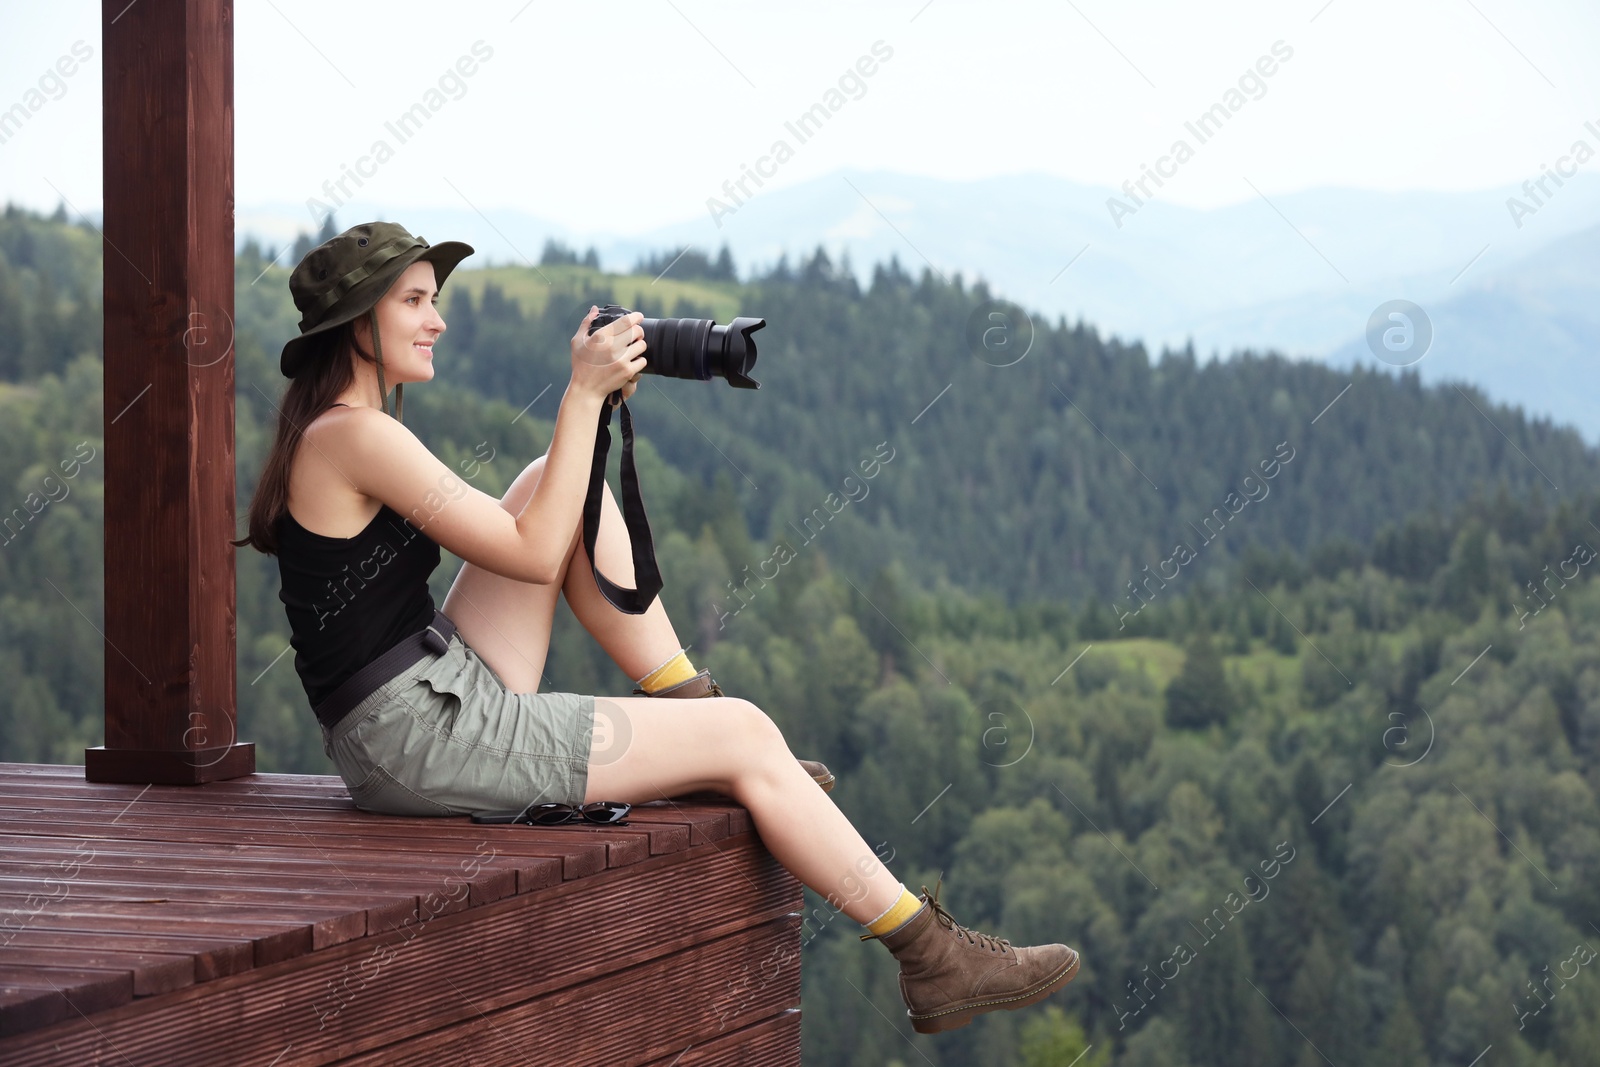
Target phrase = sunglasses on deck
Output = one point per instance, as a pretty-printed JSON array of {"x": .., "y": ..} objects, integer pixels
[{"x": 601, "y": 812}]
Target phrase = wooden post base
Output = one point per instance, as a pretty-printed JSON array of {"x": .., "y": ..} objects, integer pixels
[{"x": 131, "y": 766}]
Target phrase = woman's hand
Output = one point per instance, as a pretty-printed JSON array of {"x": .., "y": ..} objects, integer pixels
[{"x": 608, "y": 359}]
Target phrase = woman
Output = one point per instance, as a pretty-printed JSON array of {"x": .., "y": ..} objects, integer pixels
[{"x": 440, "y": 713}]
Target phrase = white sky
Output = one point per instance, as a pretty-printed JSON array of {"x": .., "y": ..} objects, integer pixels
[{"x": 629, "y": 115}]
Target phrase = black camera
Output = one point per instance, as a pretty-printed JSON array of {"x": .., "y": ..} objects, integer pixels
[{"x": 698, "y": 349}]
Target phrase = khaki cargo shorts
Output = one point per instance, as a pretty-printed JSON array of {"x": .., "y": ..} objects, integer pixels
[{"x": 445, "y": 737}]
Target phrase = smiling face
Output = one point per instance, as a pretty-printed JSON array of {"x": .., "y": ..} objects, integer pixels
[{"x": 409, "y": 323}]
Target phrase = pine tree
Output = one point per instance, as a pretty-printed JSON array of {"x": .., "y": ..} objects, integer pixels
[
  {"x": 1199, "y": 695},
  {"x": 557, "y": 254},
  {"x": 1400, "y": 1044}
]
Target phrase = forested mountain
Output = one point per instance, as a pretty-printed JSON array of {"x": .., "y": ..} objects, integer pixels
[
  {"x": 1227, "y": 277},
  {"x": 1328, "y": 796},
  {"x": 1062, "y": 475}
]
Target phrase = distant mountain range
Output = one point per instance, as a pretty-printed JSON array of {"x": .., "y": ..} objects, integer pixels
[
  {"x": 1514, "y": 310},
  {"x": 1528, "y": 332}
]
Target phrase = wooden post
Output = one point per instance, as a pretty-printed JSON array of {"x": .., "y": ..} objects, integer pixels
[{"x": 169, "y": 489}]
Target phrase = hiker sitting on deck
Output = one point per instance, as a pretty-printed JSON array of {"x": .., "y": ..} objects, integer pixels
[{"x": 439, "y": 712}]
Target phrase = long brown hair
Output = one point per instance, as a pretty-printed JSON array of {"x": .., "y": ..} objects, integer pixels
[{"x": 328, "y": 372}]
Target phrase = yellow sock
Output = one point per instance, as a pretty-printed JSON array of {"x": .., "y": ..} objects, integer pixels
[
  {"x": 898, "y": 913},
  {"x": 675, "y": 670}
]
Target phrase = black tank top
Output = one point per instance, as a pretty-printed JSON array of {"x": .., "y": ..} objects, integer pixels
[{"x": 350, "y": 599}]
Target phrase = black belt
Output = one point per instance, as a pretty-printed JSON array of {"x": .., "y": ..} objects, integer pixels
[{"x": 369, "y": 679}]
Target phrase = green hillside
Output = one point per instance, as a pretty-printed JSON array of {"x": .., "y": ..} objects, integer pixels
[
  {"x": 532, "y": 288},
  {"x": 1330, "y": 796}
]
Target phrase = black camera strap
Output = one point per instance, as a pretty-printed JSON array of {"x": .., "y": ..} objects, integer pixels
[{"x": 647, "y": 576}]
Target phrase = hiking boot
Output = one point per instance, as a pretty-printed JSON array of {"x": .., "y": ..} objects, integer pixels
[
  {"x": 949, "y": 973},
  {"x": 702, "y": 685}
]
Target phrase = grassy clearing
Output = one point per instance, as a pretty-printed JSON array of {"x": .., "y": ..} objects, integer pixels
[{"x": 1161, "y": 660}]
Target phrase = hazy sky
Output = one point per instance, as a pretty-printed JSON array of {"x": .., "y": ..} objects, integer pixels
[{"x": 630, "y": 115}]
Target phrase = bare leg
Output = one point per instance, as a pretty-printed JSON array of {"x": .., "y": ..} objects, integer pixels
[
  {"x": 729, "y": 745},
  {"x": 716, "y": 743},
  {"x": 508, "y": 622}
]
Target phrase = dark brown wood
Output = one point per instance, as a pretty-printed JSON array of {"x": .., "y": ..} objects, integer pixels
[
  {"x": 772, "y": 1042},
  {"x": 314, "y": 926},
  {"x": 575, "y": 858},
  {"x": 54, "y": 801},
  {"x": 170, "y": 675},
  {"x": 374, "y": 867},
  {"x": 272, "y": 936},
  {"x": 384, "y": 992},
  {"x": 31, "y": 998},
  {"x": 562, "y": 1027},
  {"x": 140, "y": 915},
  {"x": 173, "y": 766},
  {"x": 211, "y": 958},
  {"x": 153, "y": 972}
]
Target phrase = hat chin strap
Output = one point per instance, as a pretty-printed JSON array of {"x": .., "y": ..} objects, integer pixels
[{"x": 399, "y": 389}]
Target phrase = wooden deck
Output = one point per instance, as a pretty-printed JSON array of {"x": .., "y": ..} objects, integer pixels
[{"x": 266, "y": 920}]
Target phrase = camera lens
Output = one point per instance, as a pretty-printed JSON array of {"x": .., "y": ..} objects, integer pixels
[
  {"x": 696, "y": 349},
  {"x": 676, "y": 348}
]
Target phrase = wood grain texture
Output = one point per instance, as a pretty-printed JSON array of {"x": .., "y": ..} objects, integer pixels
[
  {"x": 170, "y": 594},
  {"x": 233, "y": 921}
]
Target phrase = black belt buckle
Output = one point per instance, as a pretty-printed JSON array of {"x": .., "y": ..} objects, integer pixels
[{"x": 434, "y": 641}]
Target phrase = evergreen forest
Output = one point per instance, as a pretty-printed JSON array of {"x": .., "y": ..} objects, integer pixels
[{"x": 1272, "y": 687}]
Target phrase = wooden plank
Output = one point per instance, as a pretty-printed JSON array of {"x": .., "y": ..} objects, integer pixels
[
  {"x": 319, "y": 927},
  {"x": 276, "y": 787},
  {"x": 38, "y": 816},
  {"x": 279, "y": 788},
  {"x": 660, "y": 835},
  {"x": 378, "y": 911},
  {"x": 243, "y": 849},
  {"x": 738, "y": 816},
  {"x": 33, "y": 997},
  {"x": 772, "y": 1042},
  {"x": 380, "y": 907},
  {"x": 489, "y": 876},
  {"x": 210, "y": 957},
  {"x": 28, "y": 791},
  {"x": 355, "y": 997},
  {"x": 272, "y": 938},
  {"x": 153, "y": 972},
  {"x": 276, "y": 782},
  {"x": 22, "y": 793},
  {"x": 267, "y": 787},
  {"x": 572, "y": 1026},
  {"x": 705, "y": 824},
  {"x": 579, "y": 856},
  {"x": 439, "y": 890},
  {"x": 436, "y": 855}
]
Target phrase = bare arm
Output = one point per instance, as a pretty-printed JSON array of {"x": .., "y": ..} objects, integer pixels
[
  {"x": 556, "y": 506},
  {"x": 383, "y": 459}
]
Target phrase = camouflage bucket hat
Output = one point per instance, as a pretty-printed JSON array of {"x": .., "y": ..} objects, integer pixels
[{"x": 346, "y": 276}]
